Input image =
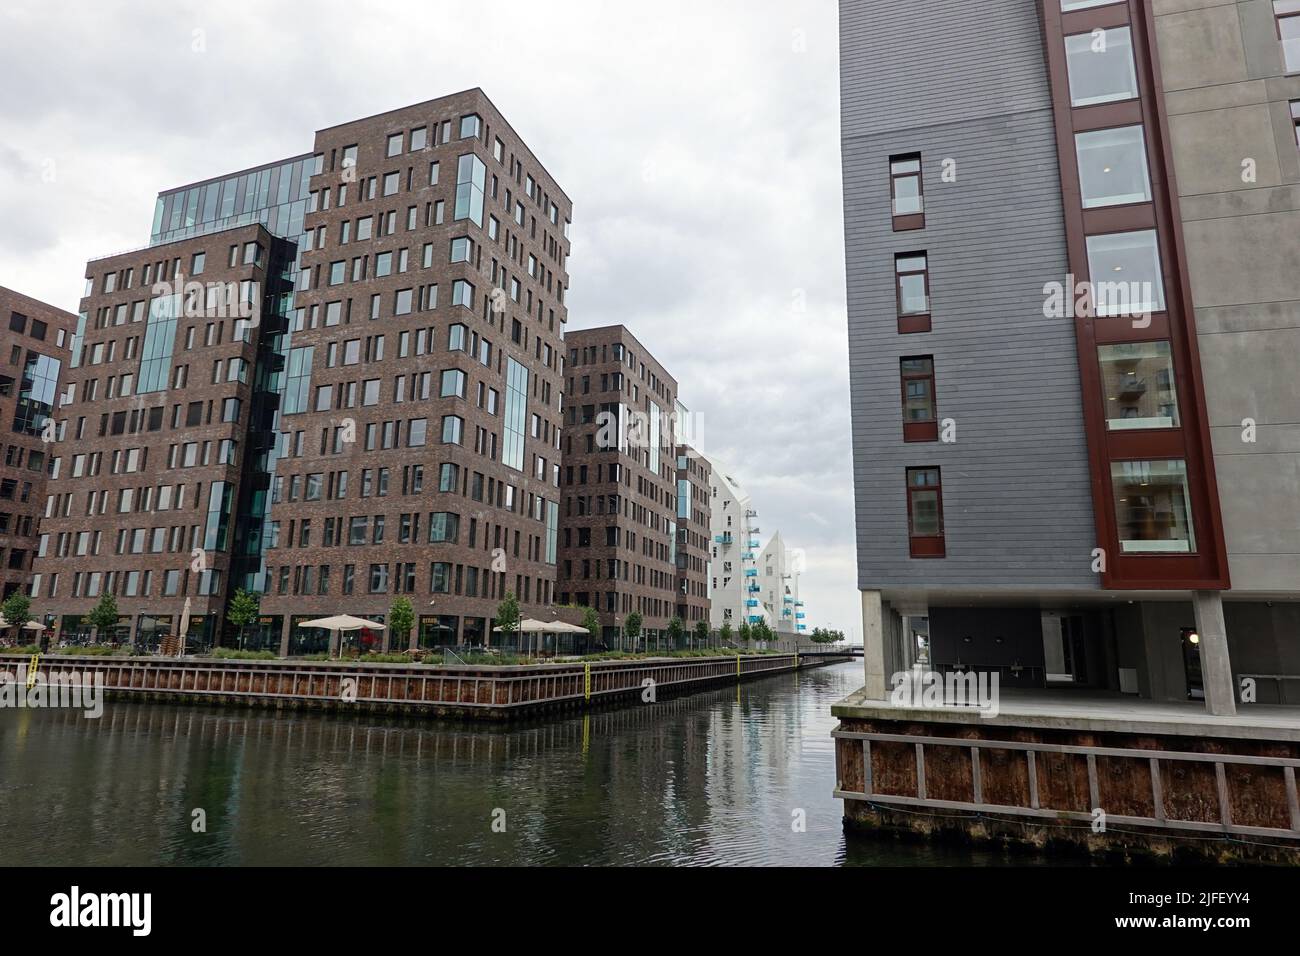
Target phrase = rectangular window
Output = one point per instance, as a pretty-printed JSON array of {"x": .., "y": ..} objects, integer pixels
[
  {"x": 913, "y": 291},
  {"x": 919, "y": 421},
  {"x": 1288, "y": 28},
  {"x": 907, "y": 192},
  {"x": 1113, "y": 167},
  {"x": 1137, "y": 380},
  {"x": 512, "y": 444},
  {"x": 1153, "y": 507},
  {"x": 1068, "y": 5},
  {"x": 470, "y": 177},
  {"x": 1125, "y": 271},
  {"x": 159, "y": 339},
  {"x": 462, "y": 293},
  {"x": 1100, "y": 65},
  {"x": 452, "y": 429},
  {"x": 390, "y": 183},
  {"x": 394, "y": 144},
  {"x": 925, "y": 513}
]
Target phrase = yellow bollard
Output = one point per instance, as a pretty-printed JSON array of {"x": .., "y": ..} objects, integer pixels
[
  {"x": 586, "y": 667},
  {"x": 32, "y": 669}
]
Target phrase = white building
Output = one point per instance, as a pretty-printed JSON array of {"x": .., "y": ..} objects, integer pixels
[
  {"x": 735, "y": 551},
  {"x": 778, "y": 575}
]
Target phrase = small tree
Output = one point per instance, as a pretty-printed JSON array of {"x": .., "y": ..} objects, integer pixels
[
  {"x": 701, "y": 633},
  {"x": 508, "y": 615},
  {"x": 761, "y": 632},
  {"x": 17, "y": 611},
  {"x": 243, "y": 611},
  {"x": 401, "y": 618},
  {"x": 103, "y": 615},
  {"x": 724, "y": 634},
  {"x": 675, "y": 631},
  {"x": 632, "y": 625},
  {"x": 591, "y": 621},
  {"x": 746, "y": 633}
]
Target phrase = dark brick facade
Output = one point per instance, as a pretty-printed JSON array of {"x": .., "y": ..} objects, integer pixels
[
  {"x": 35, "y": 346},
  {"x": 436, "y": 337},
  {"x": 694, "y": 492},
  {"x": 156, "y": 436},
  {"x": 619, "y": 514}
]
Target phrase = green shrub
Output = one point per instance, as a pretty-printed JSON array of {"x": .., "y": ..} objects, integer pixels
[{"x": 234, "y": 654}]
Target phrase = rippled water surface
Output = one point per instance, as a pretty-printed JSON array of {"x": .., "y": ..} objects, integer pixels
[{"x": 710, "y": 778}]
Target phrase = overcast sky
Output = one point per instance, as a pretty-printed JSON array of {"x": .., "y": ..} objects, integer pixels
[{"x": 697, "y": 140}]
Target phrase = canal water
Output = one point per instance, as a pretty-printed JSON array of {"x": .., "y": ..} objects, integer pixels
[{"x": 738, "y": 775}]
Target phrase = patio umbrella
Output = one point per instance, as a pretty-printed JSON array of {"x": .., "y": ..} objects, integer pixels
[
  {"x": 560, "y": 627},
  {"x": 29, "y": 626},
  {"x": 339, "y": 623},
  {"x": 185, "y": 627}
]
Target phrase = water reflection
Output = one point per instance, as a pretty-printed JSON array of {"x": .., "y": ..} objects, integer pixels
[{"x": 711, "y": 778}]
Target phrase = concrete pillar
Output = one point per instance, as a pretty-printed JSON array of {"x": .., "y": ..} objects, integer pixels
[
  {"x": 1216, "y": 668},
  {"x": 284, "y": 636},
  {"x": 874, "y": 652}
]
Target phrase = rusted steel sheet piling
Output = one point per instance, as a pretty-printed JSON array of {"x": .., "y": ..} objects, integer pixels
[{"x": 494, "y": 693}]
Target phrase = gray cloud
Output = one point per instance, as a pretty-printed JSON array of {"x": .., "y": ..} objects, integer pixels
[{"x": 698, "y": 141}]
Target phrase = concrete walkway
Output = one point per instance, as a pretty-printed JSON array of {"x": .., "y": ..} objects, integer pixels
[{"x": 1097, "y": 710}]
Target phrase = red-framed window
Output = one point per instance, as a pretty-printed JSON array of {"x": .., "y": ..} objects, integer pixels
[
  {"x": 1288, "y": 30},
  {"x": 912, "y": 291},
  {"x": 925, "y": 513},
  {"x": 907, "y": 192},
  {"x": 920, "y": 419}
]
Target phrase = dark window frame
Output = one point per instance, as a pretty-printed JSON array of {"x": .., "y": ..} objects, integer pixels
[
  {"x": 925, "y": 545},
  {"x": 909, "y": 322},
  {"x": 905, "y": 222},
  {"x": 913, "y": 430}
]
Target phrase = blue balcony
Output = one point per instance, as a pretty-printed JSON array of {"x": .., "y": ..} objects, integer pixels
[
  {"x": 723, "y": 539},
  {"x": 753, "y": 543},
  {"x": 751, "y": 572},
  {"x": 753, "y": 589},
  {"x": 747, "y": 556},
  {"x": 800, "y": 616},
  {"x": 756, "y": 619},
  {"x": 751, "y": 603}
]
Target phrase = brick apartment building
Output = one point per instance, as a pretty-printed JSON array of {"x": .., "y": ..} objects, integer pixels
[
  {"x": 159, "y": 436},
  {"x": 430, "y": 320},
  {"x": 694, "y": 492},
  {"x": 618, "y": 547},
  {"x": 35, "y": 349},
  {"x": 385, "y": 422}
]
